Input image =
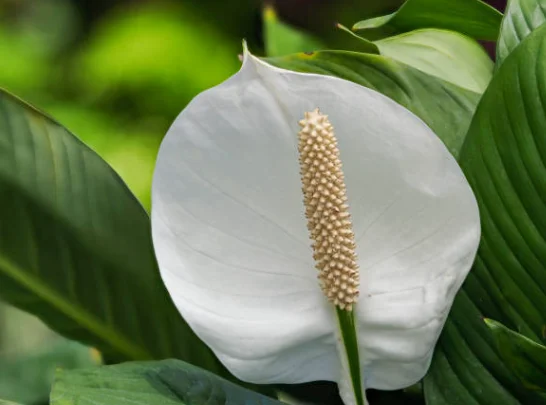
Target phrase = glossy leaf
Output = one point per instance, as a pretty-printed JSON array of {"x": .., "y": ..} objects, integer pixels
[
  {"x": 447, "y": 55},
  {"x": 27, "y": 378},
  {"x": 470, "y": 17},
  {"x": 75, "y": 245},
  {"x": 446, "y": 108},
  {"x": 167, "y": 382},
  {"x": 503, "y": 158},
  {"x": 526, "y": 357},
  {"x": 520, "y": 19}
]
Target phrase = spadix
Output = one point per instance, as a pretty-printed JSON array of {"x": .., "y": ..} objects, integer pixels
[
  {"x": 239, "y": 245},
  {"x": 326, "y": 210}
]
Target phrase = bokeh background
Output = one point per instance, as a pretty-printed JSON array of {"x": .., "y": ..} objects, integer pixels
[{"x": 116, "y": 73}]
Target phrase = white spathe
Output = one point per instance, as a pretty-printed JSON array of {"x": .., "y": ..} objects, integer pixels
[{"x": 230, "y": 232}]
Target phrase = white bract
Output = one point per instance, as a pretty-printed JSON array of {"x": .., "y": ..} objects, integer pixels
[{"x": 231, "y": 236}]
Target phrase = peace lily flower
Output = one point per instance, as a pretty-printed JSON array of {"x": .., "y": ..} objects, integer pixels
[{"x": 386, "y": 217}]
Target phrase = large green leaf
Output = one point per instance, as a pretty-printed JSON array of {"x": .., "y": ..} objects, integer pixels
[
  {"x": 27, "y": 378},
  {"x": 525, "y": 357},
  {"x": 446, "y": 108},
  {"x": 447, "y": 55},
  {"x": 75, "y": 245},
  {"x": 504, "y": 159},
  {"x": 166, "y": 382},
  {"x": 130, "y": 148},
  {"x": 470, "y": 17},
  {"x": 520, "y": 19}
]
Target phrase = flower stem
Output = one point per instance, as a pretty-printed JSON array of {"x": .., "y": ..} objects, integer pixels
[{"x": 347, "y": 327}]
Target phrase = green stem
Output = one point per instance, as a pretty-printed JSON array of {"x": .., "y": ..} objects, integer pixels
[{"x": 347, "y": 327}]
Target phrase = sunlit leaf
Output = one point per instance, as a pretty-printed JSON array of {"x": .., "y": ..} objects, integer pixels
[
  {"x": 470, "y": 17},
  {"x": 520, "y": 19},
  {"x": 447, "y": 55}
]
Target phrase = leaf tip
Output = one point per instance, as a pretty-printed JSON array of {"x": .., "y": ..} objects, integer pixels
[{"x": 268, "y": 12}]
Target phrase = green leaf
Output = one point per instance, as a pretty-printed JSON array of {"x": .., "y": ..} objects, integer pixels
[
  {"x": 447, "y": 55},
  {"x": 525, "y": 357},
  {"x": 470, "y": 17},
  {"x": 129, "y": 148},
  {"x": 446, "y": 108},
  {"x": 3, "y": 402},
  {"x": 504, "y": 159},
  {"x": 281, "y": 39},
  {"x": 75, "y": 245},
  {"x": 27, "y": 378},
  {"x": 367, "y": 46},
  {"x": 165, "y": 382},
  {"x": 520, "y": 19}
]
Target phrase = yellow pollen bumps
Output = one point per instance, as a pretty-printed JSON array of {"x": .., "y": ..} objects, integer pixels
[{"x": 328, "y": 218}]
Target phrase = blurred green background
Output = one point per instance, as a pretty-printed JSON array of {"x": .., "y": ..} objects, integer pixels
[{"x": 116, "y": 73}]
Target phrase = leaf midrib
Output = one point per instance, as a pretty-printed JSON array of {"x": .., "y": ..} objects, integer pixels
[
  {"x": 115, "y": 339},
  {"x": 93, "y": 324}
]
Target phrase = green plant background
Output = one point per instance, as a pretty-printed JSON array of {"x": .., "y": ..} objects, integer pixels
[{"x": 117, "y": 76}]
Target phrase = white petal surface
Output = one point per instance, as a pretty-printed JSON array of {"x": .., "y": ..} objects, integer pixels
[{"x": 233, "y": 248}]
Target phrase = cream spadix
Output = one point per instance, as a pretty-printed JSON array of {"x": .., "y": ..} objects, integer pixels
[
  {"x": 326, "y": 210},
  {"x": 231, "y": 238}
]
